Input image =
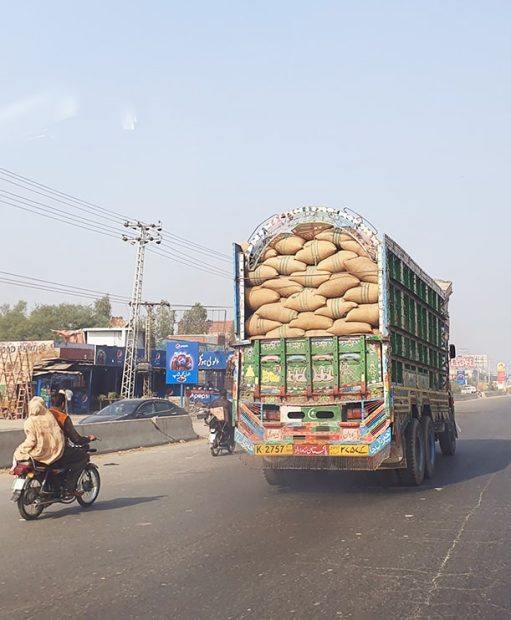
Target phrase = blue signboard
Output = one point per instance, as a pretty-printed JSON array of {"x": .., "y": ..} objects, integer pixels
[
  {"x": 213, "y": 360},
  {"x": 182, "y": 366},
  {"x": 158, "y": 359},
  {"x": 460, "y": 377}
]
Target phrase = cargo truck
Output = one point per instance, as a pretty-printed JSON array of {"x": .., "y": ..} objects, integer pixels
[{"x": 342, "y": 351}]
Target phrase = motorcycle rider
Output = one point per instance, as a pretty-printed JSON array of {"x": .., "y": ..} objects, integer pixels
[
  {"x": 72, "y": 458},
  {"x": 226, "y": 405},
  {"x": 44, "y": 440}
]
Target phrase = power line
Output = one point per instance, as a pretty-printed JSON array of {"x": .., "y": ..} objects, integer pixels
[
  {"x": 48, "y": 189},
  {"x": 168, "y": 250},
  {"x": 68, "y": 289},
  {"x": 56, "y": 210},
  {"x": 57, "y": 219}
]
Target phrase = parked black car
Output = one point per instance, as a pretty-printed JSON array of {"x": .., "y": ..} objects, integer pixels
[{"x": 135, "y": 409}]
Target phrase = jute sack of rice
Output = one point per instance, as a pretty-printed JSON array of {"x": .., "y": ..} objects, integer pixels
[
  {"x": 255, "y": 326},
  {"x": 363, "y": 268},
  {"x": 335, "y": 263},
  {"x": 312, "y": 277},
  {"x": 306, "y": 301},
  {"x": 334, "y": 235},
  {"x": 283, "y": 286},
  {"x": 353, "y": 245},
  {"x": 277, "y": 312},
  {"x": 285, "y": 332},
  {"x": 342, "y": 328},
  {"x": 317, "y": 333},
  {"x": 366, "y": 313},
  {"x": 269, "y": 253},
  {"x": 244, "y": 246},
  {"x": 309, "y": 230},
  {"x": 289, "y": 245},
  {"x": 261, "y": 274},
  {"x": 315, "y": 251},
  {"x": 285, "y": 265},
  {"x": 309, "y": 320},
  {"x": 365, "y": 293},
  {"x": 338, "y": 284},
  {"x": 336, "y": 308},
  {"x": 258, "y": 296}
]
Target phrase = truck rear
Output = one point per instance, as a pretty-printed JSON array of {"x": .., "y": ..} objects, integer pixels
[{"x": 342, "y": 354}]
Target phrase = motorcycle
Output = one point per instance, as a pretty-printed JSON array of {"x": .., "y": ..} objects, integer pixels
[
  {"x": 38, "y": 486},
  {"x": 219, "y": 435}
]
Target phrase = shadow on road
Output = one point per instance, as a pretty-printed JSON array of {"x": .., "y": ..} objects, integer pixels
[
  {"x": 110, "y": 504},
  {"x": 474, "y": 458}
]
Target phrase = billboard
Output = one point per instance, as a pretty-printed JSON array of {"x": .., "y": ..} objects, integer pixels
[
  {"x": 213, "y": 360},
  {"x": 501, "y": 375},
  {"x": 470, "y": 362},
  {"x": 182, "y": 363},
  {"x": 460, "y": 377}
]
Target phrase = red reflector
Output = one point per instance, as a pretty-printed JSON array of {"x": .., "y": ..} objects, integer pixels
[
  {"x": 354, "y": 414},
  {"x": 273, "y": 415}
]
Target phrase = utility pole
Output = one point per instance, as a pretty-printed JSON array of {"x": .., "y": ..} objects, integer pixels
[
  {"x": 144, "y": 234},
  {"x": 148, "y": 345}
]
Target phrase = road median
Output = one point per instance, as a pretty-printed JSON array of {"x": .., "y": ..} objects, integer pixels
[{"x": 116, "y": 436}]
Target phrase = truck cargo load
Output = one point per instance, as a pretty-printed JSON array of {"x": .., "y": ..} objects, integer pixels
[{"x": 342, "y": 350}]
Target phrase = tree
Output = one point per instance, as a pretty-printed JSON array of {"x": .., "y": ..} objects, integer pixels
[
  {"x": 195, "y": 320},
  {"x": 44, "y": 319},
  {"x": 163, "y": 321},
  {"x": 14, "y": 322},
  {"x": 17, "y": 324},
  {"x": 102, "y": 312}
]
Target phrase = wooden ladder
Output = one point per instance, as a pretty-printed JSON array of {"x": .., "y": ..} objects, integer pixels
[{"x": 24, "y": 395}]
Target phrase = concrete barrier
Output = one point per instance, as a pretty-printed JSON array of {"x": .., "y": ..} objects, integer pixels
[{"x": 115, "y": 436}]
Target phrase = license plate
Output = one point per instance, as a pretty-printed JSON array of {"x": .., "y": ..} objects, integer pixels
[
  {"x": 18, "y": 484},
  {"x": 353, "y": 450},
  {"x": 274, "y": 450}
]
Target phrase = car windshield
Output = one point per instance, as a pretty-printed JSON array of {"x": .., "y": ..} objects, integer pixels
[{"x": 119, "y": 408}]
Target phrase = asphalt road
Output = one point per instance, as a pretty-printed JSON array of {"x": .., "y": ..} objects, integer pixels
[{"x": 179, "y": 534}]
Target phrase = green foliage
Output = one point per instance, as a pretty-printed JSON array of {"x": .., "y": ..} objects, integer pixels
[
  {"x": 17, "y": 324},
  {"x": 102, "y": 312},
  {"x": 14, "y": 322},
  {"x": 195, "y": 320},
  {"x": 163, "y": 322}
]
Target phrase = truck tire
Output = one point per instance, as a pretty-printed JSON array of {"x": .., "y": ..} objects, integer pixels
[
  {"x": 447, "y": 438},
  {"x": 428, "y": 432},
  {"x": 413, "y": 475},
  {"x": 277, "y": 477}
]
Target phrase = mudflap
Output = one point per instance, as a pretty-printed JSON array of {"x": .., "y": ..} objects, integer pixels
[{"x": 396, "y": 459}]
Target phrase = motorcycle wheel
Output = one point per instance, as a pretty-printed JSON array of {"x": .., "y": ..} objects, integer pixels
[
  {"x": 27, "y": 506},
  {"x": 215, "y": 447},
  {"x": 89, "y": 483}
]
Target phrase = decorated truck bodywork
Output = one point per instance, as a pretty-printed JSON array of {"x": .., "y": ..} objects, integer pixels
[{"x": 365, "y": 401}]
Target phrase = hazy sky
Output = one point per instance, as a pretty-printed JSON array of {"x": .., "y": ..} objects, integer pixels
[{"x": 211, "y": 116}]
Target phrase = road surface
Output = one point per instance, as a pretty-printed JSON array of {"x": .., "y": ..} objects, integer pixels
[{"x": 179, "y": 534}]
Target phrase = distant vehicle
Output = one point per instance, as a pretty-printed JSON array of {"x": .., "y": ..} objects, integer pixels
[
  {"x": 468, "y": 389},
  {"x": 135, "y": 409}
]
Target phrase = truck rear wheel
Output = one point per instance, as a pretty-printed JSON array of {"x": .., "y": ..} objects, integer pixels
[
  {"x": 278, "y": 477},
  {"x": 429, "y": 446},
  {"x": 447, "y": 438},
  {"x": 413, "y": 475}
]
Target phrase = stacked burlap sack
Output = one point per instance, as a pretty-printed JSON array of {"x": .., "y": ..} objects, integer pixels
[{"x": 322, "y": 286}]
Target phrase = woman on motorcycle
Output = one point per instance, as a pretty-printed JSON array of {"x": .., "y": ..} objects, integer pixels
[{"x": 44, "y": 441}]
